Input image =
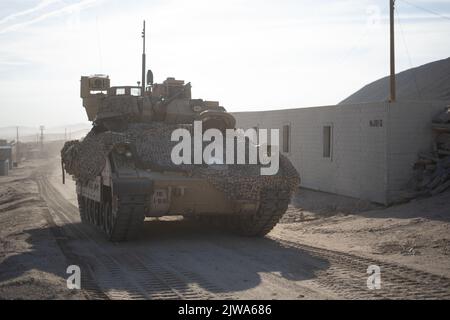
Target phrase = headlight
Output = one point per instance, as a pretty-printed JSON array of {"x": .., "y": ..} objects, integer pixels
[{"x": 123, "y": 149}]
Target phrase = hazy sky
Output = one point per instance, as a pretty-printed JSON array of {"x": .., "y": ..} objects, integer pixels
[{"x": 249, "y": 55}]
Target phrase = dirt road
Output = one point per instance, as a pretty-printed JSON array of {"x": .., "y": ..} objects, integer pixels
[{"x": 175, "y": 258}]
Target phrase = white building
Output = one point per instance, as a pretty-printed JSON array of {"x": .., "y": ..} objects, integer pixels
[{"x": 365, "y": 151}]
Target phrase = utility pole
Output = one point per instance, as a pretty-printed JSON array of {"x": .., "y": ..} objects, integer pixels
[
  {"x": 42, "y": 137},
  {"x": 65, "y": 134},
  {"x": 17, "y": 145},
  {"x": 393, "y": 95},
  {"x": 143, "y": 61}
]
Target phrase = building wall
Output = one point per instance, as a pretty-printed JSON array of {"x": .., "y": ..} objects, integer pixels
[
  {"x": 373, "y": 147},
  {"x": 6, "y": 154},
  {"x": 409, "y": 133},
  {"x": 4, "y": 167}
]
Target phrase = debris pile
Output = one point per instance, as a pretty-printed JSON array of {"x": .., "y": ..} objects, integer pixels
[{"x": 433, "y": 168}]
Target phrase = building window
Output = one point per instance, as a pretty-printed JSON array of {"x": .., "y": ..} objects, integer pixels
[
  {"x": 286, "y": 138},
  {"x": 327, "y": 140},
  {"x": 136, "y": 92}
]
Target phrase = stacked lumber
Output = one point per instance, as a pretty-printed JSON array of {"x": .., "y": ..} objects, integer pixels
[{"x": 433, "y": 168}]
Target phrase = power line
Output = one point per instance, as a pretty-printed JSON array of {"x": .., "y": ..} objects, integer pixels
[
  {"x": 354, "y": 47},
  {"x": 427, "y": 10},
  {"x": 407, "y": 53}
]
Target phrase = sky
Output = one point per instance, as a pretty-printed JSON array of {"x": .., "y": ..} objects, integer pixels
[{"x": 249, "y": 54}]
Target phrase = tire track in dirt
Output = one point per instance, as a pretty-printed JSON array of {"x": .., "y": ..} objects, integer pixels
[
  {"x": 348, "y": 275},
  {"x": 129, "y": 271},
  {"x": 119, "y": 275}
]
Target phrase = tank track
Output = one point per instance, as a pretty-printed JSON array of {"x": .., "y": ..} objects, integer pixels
[
  {"x": 82, "y": 208},
  {"x": 273, "y": 204},
  {"x": 120, "y": 224}
]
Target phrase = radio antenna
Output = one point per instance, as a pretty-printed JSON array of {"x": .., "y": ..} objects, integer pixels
[{"x": 143, "y": 61}]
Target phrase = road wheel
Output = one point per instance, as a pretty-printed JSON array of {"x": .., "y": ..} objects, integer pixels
[
  {"x": 82, "y": 208},
  {"x": 108, "y": 219},
  {"x": 92, "y": 212},
  {"x": 273, "y": 204}
]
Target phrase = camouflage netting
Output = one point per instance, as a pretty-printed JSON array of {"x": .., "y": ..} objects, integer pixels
[
  {"x": 118, "y": 105},
  {"x": 153, "y": 147}
]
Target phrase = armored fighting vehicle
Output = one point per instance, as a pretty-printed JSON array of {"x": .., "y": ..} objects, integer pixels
[{"x": 124, "y": 168}]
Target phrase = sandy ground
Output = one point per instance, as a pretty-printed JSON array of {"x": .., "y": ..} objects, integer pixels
[
  {"x": 40, "y": 235},
  {"x": 416, "y": 234},
  {"x": 31, "y": 263}
]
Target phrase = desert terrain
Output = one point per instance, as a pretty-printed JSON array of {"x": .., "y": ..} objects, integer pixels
[{"x": 321, "y": 249}]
